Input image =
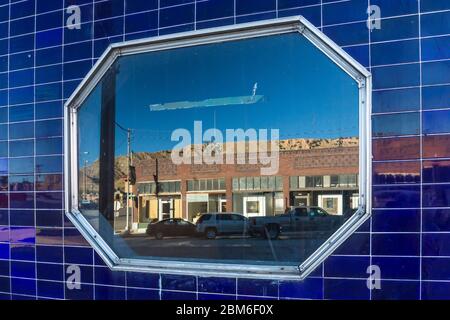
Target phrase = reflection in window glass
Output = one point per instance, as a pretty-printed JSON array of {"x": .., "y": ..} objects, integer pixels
[
  {"x": 396, "y": 124},
  {"x": 226, "y": 147}
]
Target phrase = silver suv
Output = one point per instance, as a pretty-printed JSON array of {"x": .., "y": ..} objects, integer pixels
[{"x": 224, "y": 223}]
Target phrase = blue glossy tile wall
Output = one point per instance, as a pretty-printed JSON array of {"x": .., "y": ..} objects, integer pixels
[{"x": 41, "y": 63}]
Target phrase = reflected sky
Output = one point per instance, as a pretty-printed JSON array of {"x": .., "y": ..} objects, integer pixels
[{"x": 240, "y": 84}]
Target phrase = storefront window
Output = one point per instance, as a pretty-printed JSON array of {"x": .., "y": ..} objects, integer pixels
[{"x": 183, "y": 147}]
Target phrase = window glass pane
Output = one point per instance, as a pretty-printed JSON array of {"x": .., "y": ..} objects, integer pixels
[
  {"x": 235, "y": 184},
  {"x": 180, "y": 116}
]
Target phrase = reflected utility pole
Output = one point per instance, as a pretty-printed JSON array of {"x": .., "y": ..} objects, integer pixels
[
  {"x": 127, "y": 225},
  {"x": 85, "y": 175},
  {"x": 129, "y": 164}
]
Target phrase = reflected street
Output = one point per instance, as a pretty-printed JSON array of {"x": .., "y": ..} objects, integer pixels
[{"x": 227, "y": 248}]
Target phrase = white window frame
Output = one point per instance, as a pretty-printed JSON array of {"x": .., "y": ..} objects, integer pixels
[{"x": 195, "y": 38}]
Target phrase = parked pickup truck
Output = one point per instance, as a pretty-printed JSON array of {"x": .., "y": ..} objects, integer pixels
[{"x": 296, "y": 220}]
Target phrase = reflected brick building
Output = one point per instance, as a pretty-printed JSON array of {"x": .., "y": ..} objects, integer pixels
[{"x": 311, "y": 172}]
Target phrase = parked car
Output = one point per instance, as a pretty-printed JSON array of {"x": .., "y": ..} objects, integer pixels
[
  {"x": 227, "y": 223},
  {"x": 297, "y": 220},
  {"x": 173, "y": 227}
]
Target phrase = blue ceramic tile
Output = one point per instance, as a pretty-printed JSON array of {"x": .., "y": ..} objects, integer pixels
[
  {"x": 310, "y": 288},
  {"x": 436, "y": 268},
  {"x": 21, "y": 113},
  {"x": 346, "y": 289},
  {"x": 397, "y": 290},
  {"x": 5, "y": 284},
  {"x": 396, "y": 244},
  {"x": 348, "y": 34},
  {"x": 23, "y": 269},
  {"x": 344, "y": 11},
  {"x": 396, "y": 76},
  {"x": 49, "y": 5},
  {"x": 5, "y": 296},
  {"x": 176, "y": 295},
  {"x": 4, "y": 268},
  {"x": 395, "y": 52},
  {"x": 248, "y": 7},
  {"x": 313, "y": 14},
  {"x": 436, "y": 220},
  {"x": 50, "y": 289},
  {"x": 109, "y": 293},
  {"x": 22, "y": 235},
  {"x": 436, "y": 122},
  {"x": 435, "y": 24},
  {"x": 256, "y": 17},
  {"x": 173, "y": 16},
  {"x": 217, "y": 285},
  {"x": 108, "y": 9},
  {"x": 436, "y": 195},
  {"x": 104, "y": 275},
  {"x": 141, "y": 22},
  {"x": 207, "y": 10},
  {"x": 215, "y": 23},
  {"x": 436, "y": 244},
  {"x": 175, "y": 282},
  {"x": 396, "y": 197},
  {"x": 49, "y": 38},
  {"x": 4, "y": 251},
  {"x": 139, "y": 5},
  {"x": 398, "y": 267},
  {"x": 169, "y": 3},
  {"x": 396, "y": 29},
  {"x": 22, "y": 297},
  {"x": 434, "y": 5},
  {"x": 85, "y": 33},
  {"x": 78, "y": 255},
  {"x": 356, "y": 244},
  {"x": 49, "y": 254},
  {"x": 49, "y": 20},
  {"x": 360, "y": 54},
  {"x": 86, "y": 292},
  {"x": 260, "y": 288},
  {"x": 432, "y": 72},
  {"x": 396, "y": 220},
  {"x": 47, "y": 271},
  {"x": 346, "y": 267},
  {"x": 435, "y": 290},
  {"x": 437, "y": 171},
  {"x": 22, "y": 9},
  {"x": 23, "y": 218},
  {"x": 436, "y": 48},
  {"x": 142, "y": 280},
  {"x": 142, "y": 294},
  {"x": 215, "y": 296},
  {"x": 396, "y": 124},
  {"x": 24, "y": 252},
  {"x": 23, "y": 286},
  {"x": 391, "y": 8},
  {"x": 436, "y": 97}
]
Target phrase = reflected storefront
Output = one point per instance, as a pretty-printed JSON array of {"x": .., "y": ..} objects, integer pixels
[
  {"x": 333, "y": 187},
  {"x": 154, "y": 205}
]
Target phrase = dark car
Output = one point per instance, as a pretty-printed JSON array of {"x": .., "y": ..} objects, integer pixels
[{"x": 174, "y": 227}]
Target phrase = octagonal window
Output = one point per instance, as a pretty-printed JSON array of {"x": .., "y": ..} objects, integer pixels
[{"x": 233, "y": 151}]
